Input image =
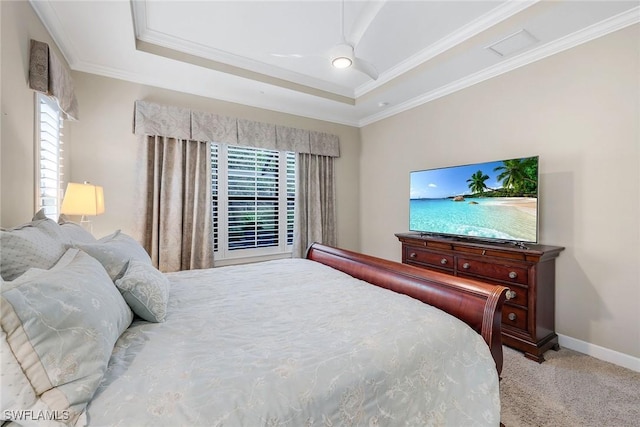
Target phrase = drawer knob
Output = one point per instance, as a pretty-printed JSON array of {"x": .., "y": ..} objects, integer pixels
[
  {"x": 511, "y": 294},
  {"x": 513, "y": 275},
  {"x": 413, "y": 255},
  {"x": 443, "y": 261},
  {"x": 466, "y": 266},
  {"x": 512, "y": 316}
]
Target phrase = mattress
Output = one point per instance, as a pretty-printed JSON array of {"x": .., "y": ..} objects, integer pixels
[{"x": 295, "y": 343}]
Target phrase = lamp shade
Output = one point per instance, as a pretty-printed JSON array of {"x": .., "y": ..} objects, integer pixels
[{"x": 83, "y": 199}]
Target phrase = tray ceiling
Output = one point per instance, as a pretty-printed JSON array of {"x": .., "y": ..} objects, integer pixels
[{"x": 276, "y": 54}]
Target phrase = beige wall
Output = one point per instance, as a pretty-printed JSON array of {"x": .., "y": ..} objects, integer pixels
[
  {"x": 104, "y": 148},
  {"x": 579, "y": 111},
  {"x": 17, "y": 168},
  {"x": 101, "y": 147}
]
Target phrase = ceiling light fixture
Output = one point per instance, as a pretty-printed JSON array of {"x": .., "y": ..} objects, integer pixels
[
  {"x": 341, "y": 62},
  {"x": 342, "y": 56}
]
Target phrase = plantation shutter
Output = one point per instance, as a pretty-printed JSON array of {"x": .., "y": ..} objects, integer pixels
[
  {"x": 291, "y": 194},
  {"x": 252, "y": 197},
  {"x": 215, "y": 192},
  {"x": 51, "y": 122}
]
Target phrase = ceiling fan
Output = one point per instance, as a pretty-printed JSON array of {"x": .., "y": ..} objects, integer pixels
[{"x": 342, "y": 55}]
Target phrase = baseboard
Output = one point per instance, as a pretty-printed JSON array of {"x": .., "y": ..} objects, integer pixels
[{"x": 601, "y": 353}]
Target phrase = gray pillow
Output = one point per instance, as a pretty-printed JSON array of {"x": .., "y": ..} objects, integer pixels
[
  {"x": 39, "y": 215},
  {"x": 74, "y": 231},
  {"x": 115, "y": 251},
  {"x": 146, "y": 290},
  {"x": 61, "y": 325},
  {"x": 39, "y": 243}
]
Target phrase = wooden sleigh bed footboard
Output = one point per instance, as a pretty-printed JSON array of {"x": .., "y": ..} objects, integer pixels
[{"x": 477, "y": 304}]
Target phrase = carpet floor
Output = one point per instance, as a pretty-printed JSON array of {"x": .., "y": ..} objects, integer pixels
[{"x": 568, "y": 389}]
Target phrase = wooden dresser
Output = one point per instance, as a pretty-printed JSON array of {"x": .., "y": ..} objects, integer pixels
[{"x": 528, "y": 317}]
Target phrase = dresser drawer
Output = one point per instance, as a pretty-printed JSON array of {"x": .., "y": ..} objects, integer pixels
[
  {"x": 528, "y": 271},
  {"x": 514, "y": 316},
  {"x": 429, "y": 258},
  {"x": 518, "y": 295},
  {"x": 492, "y": 271}
]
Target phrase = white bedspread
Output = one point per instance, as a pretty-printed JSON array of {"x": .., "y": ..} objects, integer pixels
[{"x": 296, "y": 343}]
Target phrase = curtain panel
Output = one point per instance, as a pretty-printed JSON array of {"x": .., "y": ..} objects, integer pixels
[
  {"x": 177, "y": 122},
  {"x": 48, "y": 75},
  {"x": 177, "y": 228},
  {"x": 315, "y": 211}
]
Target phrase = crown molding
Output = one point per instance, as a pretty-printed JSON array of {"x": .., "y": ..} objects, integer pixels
[
  {"x": 585, "y": 35},
  {"x": 47, "y": 14},
  {"x": 251, "y": 101},
  {"x": 461, "y": 35},
  {"x": 158, "y": 41}
]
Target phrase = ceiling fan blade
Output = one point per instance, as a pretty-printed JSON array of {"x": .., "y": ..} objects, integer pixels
[
  {"x": 365, "y": 67},
  {"x": 364, "y": 19},
  {"x": 297, "y": 55},
  {"x": 288, "y": 55}
]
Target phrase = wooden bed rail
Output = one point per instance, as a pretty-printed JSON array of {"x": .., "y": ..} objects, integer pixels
[{"x": 477, "y": 304}]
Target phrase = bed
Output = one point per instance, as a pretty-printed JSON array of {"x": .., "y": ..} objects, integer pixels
[{"x": 294, "y": 342}]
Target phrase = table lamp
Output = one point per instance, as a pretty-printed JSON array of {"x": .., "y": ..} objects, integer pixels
[{"x": 83, "y": 199}]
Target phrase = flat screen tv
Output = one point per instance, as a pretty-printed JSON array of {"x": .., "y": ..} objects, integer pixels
[{"x": 491, "y": 201}]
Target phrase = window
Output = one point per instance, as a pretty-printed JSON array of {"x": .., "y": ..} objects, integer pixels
[
  {"x": 253, "y": 200},
  {"x": 49, "y": 161}
]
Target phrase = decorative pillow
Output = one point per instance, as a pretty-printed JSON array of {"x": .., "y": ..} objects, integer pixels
[
  {"x": 61, "y": 325},
  {"x": 146, "y": 290},
  {"x": 39, "y": 215},
  {"x": 74, "y": 231},
  {"x": 115, "y": 251},
  {"x": 39, "y": 243},
  {"x": 17, "y": 392},
  {"x": 109, "y": 236}
]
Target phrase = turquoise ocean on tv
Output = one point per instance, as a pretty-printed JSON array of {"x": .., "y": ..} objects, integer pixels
[{"x": 495, "y": 218}]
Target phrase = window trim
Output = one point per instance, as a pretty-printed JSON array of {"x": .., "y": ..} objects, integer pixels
[
  {"x": 225, "y": 256},
  {"x": 40, "y": 98}
]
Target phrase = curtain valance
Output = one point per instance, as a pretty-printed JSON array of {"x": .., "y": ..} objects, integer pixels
[
  {"x": 183, "y": 123},
  {"x": 49, "y": 76}
]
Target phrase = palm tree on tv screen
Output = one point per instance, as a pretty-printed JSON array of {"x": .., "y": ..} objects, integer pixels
[
  {"x": 476, "y": 182},
  {"x": 519, "y": 175}
]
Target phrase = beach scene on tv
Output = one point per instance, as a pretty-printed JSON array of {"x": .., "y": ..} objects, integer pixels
[{"x": 493, "y": 200}]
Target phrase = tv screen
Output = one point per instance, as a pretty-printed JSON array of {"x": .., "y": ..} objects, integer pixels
[{"x": 487, "y": 201}]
